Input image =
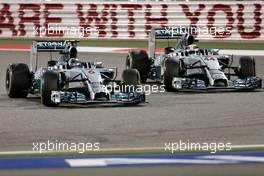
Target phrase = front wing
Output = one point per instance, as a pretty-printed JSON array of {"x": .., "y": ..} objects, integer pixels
[
  {"x": 59, "y": 97},
  {"x": 187, "y": 84}
]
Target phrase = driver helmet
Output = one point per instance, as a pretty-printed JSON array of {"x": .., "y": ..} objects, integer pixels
[
  {"x": 74, "y": 62},
  {"x": 169, "y": 50},
  {"x": 69, "y": 52}
]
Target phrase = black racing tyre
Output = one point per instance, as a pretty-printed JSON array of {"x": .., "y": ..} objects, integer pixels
[
  {"x": 18, "y": 80},
  {"x": 138, "y": 59},
  {"x": 247, "y": 67},
  {"x": 49, "y": 83},
  {"x": 172, "y": 69},
  {"x": 131, "y": 79}
]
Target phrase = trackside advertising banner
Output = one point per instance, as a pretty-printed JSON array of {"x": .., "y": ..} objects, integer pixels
[{"x": 210, "y": 20}]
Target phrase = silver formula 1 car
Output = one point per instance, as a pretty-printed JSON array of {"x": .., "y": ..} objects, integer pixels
[
  {"x": 68, "y": 80},
  {"x": 186, "y": 67}
]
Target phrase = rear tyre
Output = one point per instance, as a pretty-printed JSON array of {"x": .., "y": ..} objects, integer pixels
[
  {"x": 247, "y": 67},
  {"x": 49, "y": 83},
  {"x": 138, "y": 59},
  {"x": 18, "y": 80},
  {"x": 131, "y": 79},
  {"x": 172, "y": 70}
]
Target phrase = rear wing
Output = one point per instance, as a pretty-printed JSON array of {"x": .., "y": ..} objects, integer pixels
[
  {"x": 170, "y": 33},
  {"x": 47, "y": 46},
  {"x": 165, "y": 33}
]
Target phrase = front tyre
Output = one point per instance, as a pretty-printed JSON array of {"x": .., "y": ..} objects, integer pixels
[
  {"x": 18, "y": 80},
  {"x": 49, "y": 83},
  {"x": 131, "y": 79},
  {"x": 172, "y": 70},
  {"x": 247, "y": 67}
]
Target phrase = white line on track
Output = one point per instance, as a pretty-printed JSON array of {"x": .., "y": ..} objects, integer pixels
[
  {"x": 235, "y": 158},
  {"x": 101, "y": 162}
]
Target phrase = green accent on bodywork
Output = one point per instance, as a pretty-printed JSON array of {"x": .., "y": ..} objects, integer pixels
[
  {"x": 158, "y": 71},
  {"x": 37, "y": 84}
]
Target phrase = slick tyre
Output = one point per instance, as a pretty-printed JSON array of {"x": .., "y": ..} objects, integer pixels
[
  {"x": 138, "y": 59},
  {"x": 131, "y": 80},
  {"x": 247, "y": 67},
  {"x": 172, "y": 69},
  {"x": 49, "y": 83},
  {"x": 18, "y": 80}
]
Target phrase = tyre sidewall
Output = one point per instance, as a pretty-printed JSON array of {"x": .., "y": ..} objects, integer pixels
[
  {"x": 247, "y": 67},
  {"x": 49, "y": 83},
  {"x": 172, "y": 69},
  {"x": 19, "y": 80},
  {"x": 142, "y": 64}
]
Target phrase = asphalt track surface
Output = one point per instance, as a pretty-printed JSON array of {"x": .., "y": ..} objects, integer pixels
[
  {"x": 236, "y": 118},
  {"x": 222, "y": 170}
]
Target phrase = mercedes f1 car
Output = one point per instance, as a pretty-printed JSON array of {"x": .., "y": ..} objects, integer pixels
[
  {"x": 68, "y": 80},
  {"x": 186, "y": 66}
]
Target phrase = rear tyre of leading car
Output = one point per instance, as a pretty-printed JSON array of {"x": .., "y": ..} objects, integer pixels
[{"x": 138, "y": 59}]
